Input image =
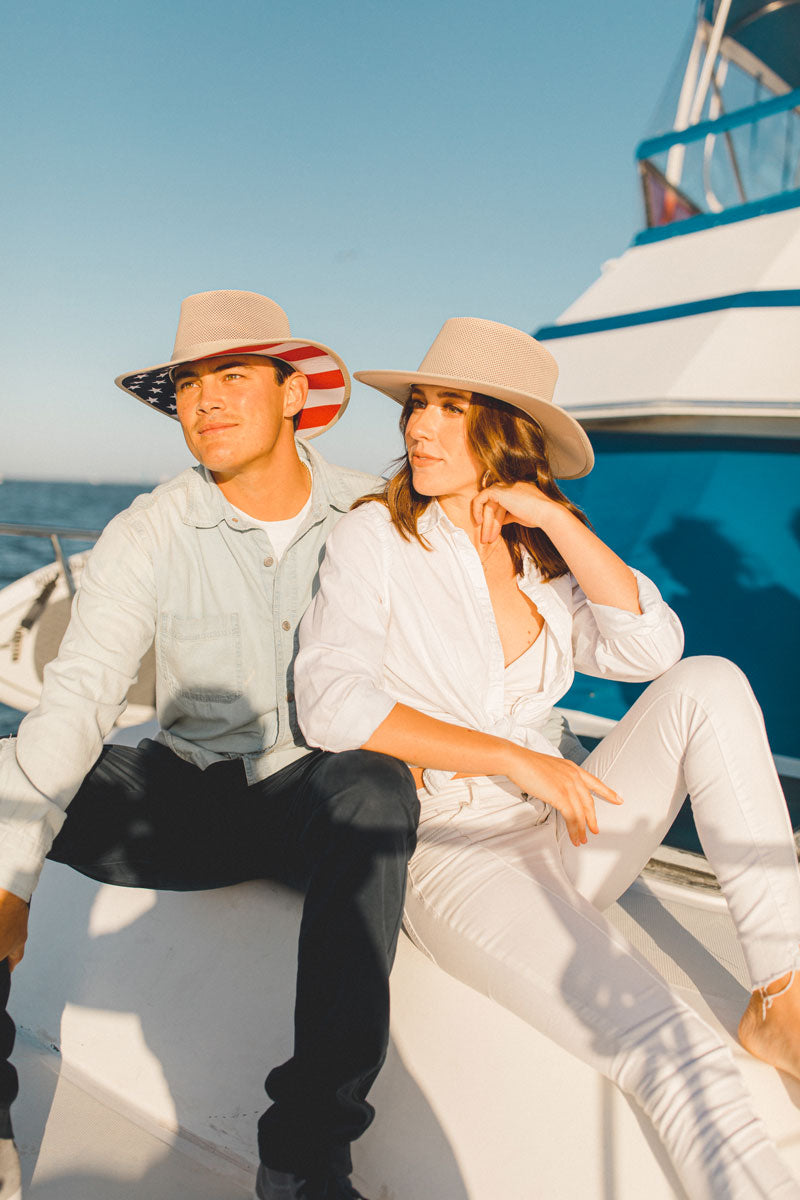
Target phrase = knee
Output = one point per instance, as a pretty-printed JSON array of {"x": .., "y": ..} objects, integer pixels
[
  {"x": 712, "y": 681},
  {"x": 371, "y": 790}
]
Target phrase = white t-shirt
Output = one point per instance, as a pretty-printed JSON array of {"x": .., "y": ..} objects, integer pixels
[
  {"x": 280, "y": 533},
  {"x": 526, "y": 673}
]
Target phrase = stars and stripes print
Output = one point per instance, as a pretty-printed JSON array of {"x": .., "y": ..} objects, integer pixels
[
  {"x": 155, "y": 388},
  {"x": 326, "y": 383}
]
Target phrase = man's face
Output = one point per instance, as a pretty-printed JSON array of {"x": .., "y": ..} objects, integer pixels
[{"x": 233, "y": 412}]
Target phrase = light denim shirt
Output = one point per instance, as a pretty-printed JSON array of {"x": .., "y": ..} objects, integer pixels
[
  {"x": 394, "y": 621},
  {"x": 182, "y": 567}
]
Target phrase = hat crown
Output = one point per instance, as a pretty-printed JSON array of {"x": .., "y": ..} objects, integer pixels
[
  {"x": 233, "y": 322},
  {"x": 209, "y": 318},
  {"x": 495, "y": 355}
]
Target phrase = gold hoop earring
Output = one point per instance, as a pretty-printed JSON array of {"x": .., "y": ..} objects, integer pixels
[{"x": 486, "y": 480}]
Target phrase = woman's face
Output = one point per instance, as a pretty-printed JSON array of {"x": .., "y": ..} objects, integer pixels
[{"x": 441, "y": 461}]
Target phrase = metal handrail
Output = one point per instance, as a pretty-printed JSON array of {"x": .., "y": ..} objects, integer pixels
[
  {"x": 55, "y": 534},
  {"x": 51, "y": 531},
  {"x": 732, "y": 120}
]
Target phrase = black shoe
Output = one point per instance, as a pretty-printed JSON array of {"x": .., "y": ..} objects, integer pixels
[{"x": 276, "y": 1185}]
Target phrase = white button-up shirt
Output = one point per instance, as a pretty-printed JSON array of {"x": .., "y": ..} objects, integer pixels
[{"x": 396, "y": 622}]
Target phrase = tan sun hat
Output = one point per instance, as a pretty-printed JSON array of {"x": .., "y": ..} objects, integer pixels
[
  {"x": 213, "y": 323},
  {"x": 474, "y": 355}
]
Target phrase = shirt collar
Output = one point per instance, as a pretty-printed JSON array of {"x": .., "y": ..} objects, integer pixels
[
  {"x": 433, "y": 516},
  {"x": 206, "y": 506},
  {"x": 330, "y": 489}
]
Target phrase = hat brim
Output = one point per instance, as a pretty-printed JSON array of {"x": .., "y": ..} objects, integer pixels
[
  {"x": 328, "y": 379},
  {"x": 569, "y": 450}
]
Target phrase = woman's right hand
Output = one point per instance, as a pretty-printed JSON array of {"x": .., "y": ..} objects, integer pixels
[{"x": 563, "y": 785}]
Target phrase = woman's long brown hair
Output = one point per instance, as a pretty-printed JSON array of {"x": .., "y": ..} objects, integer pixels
[{"x": 511, "y": 448}]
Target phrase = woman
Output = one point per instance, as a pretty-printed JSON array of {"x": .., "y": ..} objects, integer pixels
[{"x": 453, "y": 609}]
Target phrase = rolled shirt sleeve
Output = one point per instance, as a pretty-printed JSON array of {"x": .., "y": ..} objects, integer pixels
[
  {"x": 631, "y": 647},
  {"x": 83, "y": 693},
  {"x": 338, "y": 675}
]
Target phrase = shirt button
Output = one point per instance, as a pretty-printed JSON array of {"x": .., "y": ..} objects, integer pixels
[
  {"x": 290, "y": 697},
  {"x": 268, "y": 562},
  {"x": 285, "y": 625}
]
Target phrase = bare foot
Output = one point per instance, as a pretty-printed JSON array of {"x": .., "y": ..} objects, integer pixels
[{"x": 774, "y": 1037}]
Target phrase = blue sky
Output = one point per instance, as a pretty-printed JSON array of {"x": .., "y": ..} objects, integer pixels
[{"x": 374, "y": 168}]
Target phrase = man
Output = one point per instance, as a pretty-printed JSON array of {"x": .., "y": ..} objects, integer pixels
[{"x": 218, "y": 566}]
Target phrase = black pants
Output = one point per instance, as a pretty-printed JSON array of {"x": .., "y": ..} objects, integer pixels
[{"x": 340, "y": 826}]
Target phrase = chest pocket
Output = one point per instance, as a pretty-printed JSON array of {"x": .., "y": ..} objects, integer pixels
[{"x": 200, "y": 658}]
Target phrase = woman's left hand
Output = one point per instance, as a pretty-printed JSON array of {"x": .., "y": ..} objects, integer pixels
[{"x": 501, "y": 504}]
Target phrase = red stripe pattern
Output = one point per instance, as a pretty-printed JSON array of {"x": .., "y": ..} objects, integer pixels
[
  {"x": 324, "y": 377},
  {"x": 322, "y": 415}
]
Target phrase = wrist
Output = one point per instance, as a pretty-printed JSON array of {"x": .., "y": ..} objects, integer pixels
[
  {"x": 513, "y": 761},
  {"x": 556, "y": 520}
]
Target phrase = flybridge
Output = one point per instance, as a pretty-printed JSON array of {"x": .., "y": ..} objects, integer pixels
[
  {"x": 734, "y": 150},
  {"x": 667, "y": 330}
]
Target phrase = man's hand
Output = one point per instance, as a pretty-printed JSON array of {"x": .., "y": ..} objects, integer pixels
[{"x": 13, "y": 928}]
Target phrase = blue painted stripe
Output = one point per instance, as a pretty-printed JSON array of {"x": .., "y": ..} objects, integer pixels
[
  {"x": 778, "y": 298},
  {"x": 733, "y": 120},
  {"x": 739, "y": 212}
]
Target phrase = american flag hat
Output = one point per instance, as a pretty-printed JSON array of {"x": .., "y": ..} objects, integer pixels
[{"x": 215, "y": 323}]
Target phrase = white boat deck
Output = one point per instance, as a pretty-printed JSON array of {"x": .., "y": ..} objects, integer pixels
[
  {"x": 163, "y": 1051},
  {"x": 75, "y": 1147}
]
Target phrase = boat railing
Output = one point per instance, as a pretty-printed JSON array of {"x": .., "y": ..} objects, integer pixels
[
  {"x": 55, "y": 534},
  {"x": 733, "y": 164}
]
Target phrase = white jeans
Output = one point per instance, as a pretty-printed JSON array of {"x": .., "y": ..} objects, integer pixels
[{"x": 500, "y": 898}]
